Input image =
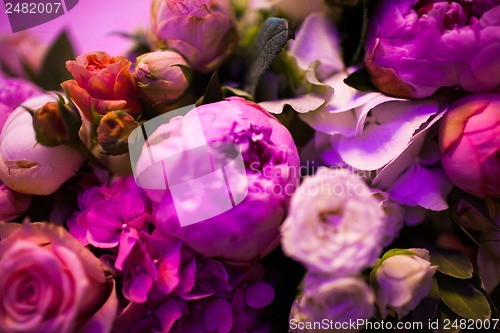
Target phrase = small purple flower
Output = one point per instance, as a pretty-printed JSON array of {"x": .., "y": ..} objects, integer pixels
[
  {"x": 149, "y": 261},
  {"x": 110, "y": 220}
]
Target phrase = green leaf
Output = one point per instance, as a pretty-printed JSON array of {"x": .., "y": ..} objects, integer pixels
[
  {"x": 360, "y": 80},
  {"x": 273, "y": 36},
  {"x": 54, "y": 71},
  {"x": 228, "y": 91},
  {"x": 213, "y": 92},
  {"x": 452, "y": 263},
  {"x": 463, "y": 298}
]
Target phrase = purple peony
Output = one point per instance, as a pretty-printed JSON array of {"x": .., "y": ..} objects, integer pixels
[
  {"x": 415, "y": 47},
  {"x": 203, "y": 31},
  {"x": 270, "y": 163}
]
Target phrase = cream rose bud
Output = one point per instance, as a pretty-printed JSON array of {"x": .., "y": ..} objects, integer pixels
[
  {"x": 339, "y": 300},
  {"x": 335, "y": 225},
  {"x": 403, "y": 281},
  {"x": 161, "y": 76},
  {"x": 28, "y": 167}
]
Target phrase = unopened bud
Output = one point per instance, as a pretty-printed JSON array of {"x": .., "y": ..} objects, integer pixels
[
  {"x": 162, "y": 76},
  {"x": 113, "y": 131},
  {"x": 56, "y": 123}
]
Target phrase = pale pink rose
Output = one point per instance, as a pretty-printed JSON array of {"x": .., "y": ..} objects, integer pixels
[{"x": 50, "y": 283}]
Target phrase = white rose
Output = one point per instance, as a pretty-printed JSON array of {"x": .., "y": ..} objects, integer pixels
[
  {"x": 403, "y": 282},
  {"x": 28, "y": 167},
  {"x": 339, "y": 300},
  {"x": 334, "y": 224}
]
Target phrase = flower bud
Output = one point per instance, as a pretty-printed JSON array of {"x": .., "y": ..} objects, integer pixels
[
  {"x": 113, "y": 131},
  {"x": 403, "y": 279},
  {"x": 201, "y": 30},
  {"x": 469, "y": 142},
  {"x": 160, "y": 76},
  {"x": 49, "y": 127},
  {"x": 28, "y": 167}
]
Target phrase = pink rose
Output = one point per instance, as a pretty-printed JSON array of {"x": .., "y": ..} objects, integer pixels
[
  {"x": 50, "y": 283},
  {"x": 203, "y": 31},
  {"x": 469, "y": 142},
  {"x": 102, "y": 82}
]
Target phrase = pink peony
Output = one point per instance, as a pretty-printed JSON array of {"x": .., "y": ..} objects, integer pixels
[
  {"x": 469, "y": 142},
  {"x": 50, "y": 283},
  {"x": 249, "y": 230},
  {"x": 201, "y": 30},
  {"x": 102, "y": 83},
  {"x": 413, "y": 48}
]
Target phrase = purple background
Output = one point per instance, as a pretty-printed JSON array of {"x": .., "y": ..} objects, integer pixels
[{"x": 91, "y": 22}]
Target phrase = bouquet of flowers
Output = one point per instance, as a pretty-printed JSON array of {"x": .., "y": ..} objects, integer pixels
[{"x": 256, "y": 166}]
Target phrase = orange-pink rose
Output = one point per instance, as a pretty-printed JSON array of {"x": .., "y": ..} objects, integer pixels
[{"x": 102, "y": 83}]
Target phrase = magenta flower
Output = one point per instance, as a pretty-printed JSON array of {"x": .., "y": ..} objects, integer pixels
[
  {"x": 77, "y": 222},
  {"x": 108, "y": 221},
  {"x": 415, "y": 47},
  {"x": 148, "y": 261},
  {"x": 249, "y": 230}
]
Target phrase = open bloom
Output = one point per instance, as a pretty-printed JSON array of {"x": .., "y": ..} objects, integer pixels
[
  {"x": 415, "y": 47},
  {"x": 340, "y": 300},
  {"x": 51, "y": 283},
  {"x": 102, "y": 83},
  {"x": 403, "y": 280},
  {"x": 262, "y": 184},
  {"x": 469, "y": 142},
  {"x": 335, "y": 225},
  {"x": 202, "y": 31},
  {"x": 28, "y": 167}
]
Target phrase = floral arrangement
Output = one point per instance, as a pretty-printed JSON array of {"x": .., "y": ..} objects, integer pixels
[{"x": 368, "y": 133}]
